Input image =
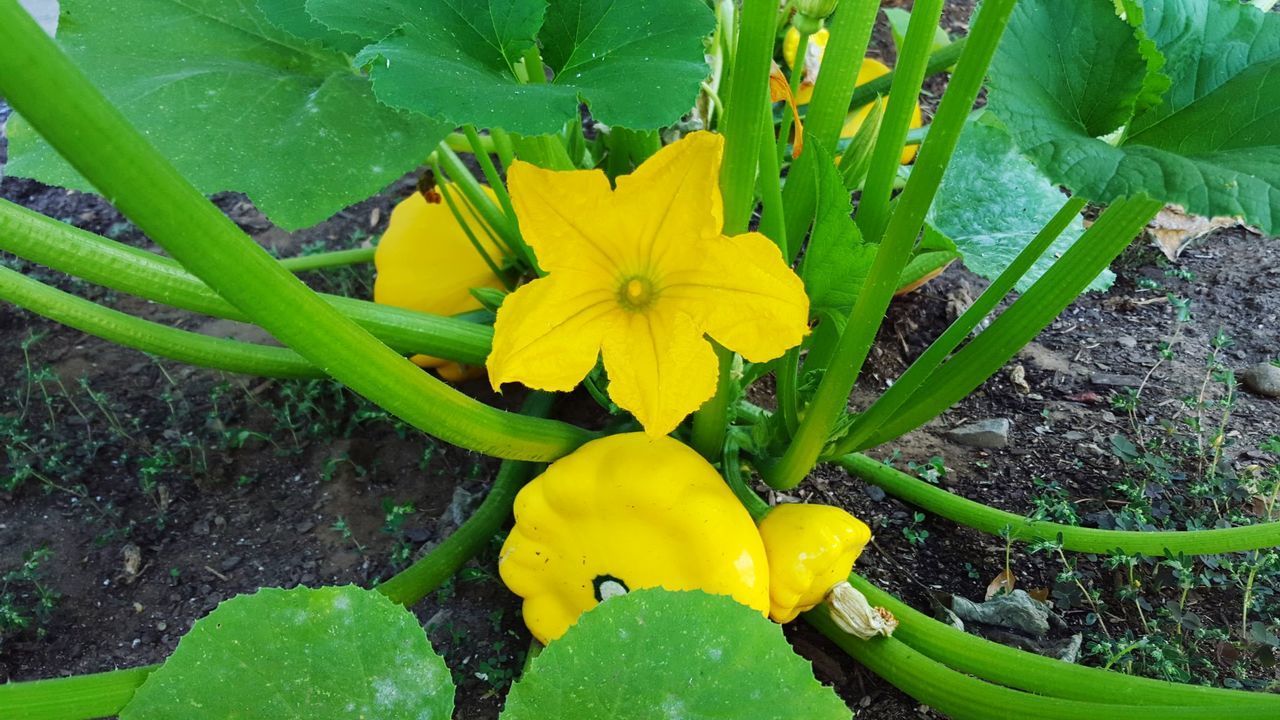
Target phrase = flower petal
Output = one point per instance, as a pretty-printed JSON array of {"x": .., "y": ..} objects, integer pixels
[
  {"x": 660, "y": 366},
  {"x": 743, "y": 294},
  {"x": 673, "y": 198},
  {"x": 568, "y": 218},
  {"x": 548, "y": 332}
]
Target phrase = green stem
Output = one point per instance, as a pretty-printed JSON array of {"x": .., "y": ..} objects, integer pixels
[
  {"x": 1165, "y": 543},
  {"x": 743, "y": 118},
  {"x": 850, "y": 33},
  {"x": 96, "y": 259},
  {"x": 458, "y": 142},
  {"x": 1042, "y": 675},
  {"x": 43, "y": 85},
  {"x": 962, "y": 697},
  {"x": 421, "y": 578},
  {"x": 711, "y": 421},
  {"x": 321, "y": 261},
  {"x": 873, "y": 208},
  {"x": 480, "y": 201},
  {"x": 503, "y": 147},
  {"x": 490, "y": 171},
  {"x": 797, "y": 79},
  {"x": 71, "y": 698},
  {"x": 466, "y": 226},
  {"x": 940, "y": 60},
  {"x": 738, "y": 484},
  {"x": 1045, "y": 300},
  {"x": 831, "y": 397},
  {"x": 742, "y": 127},
  {"x": 772, "y": 221},
  {"x": 181, "y": 345},
  {"x": 882, "y": 410}
]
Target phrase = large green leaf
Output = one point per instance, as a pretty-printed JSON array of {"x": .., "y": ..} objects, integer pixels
[
  {"x": 636, "y": 63},
  {"x": 1209, "y": 145},
  {"x": 334, "y": 653},
  {"x": 236, "y": 104},
  {"x": 993, "y": 201},
  {"x": 291, "y": 16},
  {"x": 654, "y": 655}
]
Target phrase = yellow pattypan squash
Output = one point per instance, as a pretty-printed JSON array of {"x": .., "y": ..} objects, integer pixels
[
  {"x": 870, "y": 70},
  {"x": 622, "y": 513},
  {"x": 425, "y": 262},
  {"x": 811, "y": 549}
]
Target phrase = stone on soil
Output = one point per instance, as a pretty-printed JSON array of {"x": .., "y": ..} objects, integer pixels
[
  {"x": 1262, "y": 379},
  {"x": 992, "y": 433}
]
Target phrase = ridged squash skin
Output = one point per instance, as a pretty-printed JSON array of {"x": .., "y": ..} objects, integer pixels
[{"x": 625, "y": 512}]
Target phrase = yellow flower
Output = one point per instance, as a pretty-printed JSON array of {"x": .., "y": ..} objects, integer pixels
[{"x": 642, "y": 274}]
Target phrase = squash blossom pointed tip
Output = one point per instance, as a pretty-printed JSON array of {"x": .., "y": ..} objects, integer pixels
[{"x": 642, "y": 274}]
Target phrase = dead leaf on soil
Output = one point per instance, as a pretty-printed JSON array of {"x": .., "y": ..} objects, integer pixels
[
  {"x": 1173, "y": 229},
  {"x": 1041, "y": 594},
  {"x": 1003, "y": 583}
]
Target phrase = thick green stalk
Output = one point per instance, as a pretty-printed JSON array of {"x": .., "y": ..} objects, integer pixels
[
  {"x": 129, "y": 331},
  {"x": 850, "y": 29},
  {"x": 335, "y": 258},
  {"x": 711, "y": 421},
  {"x": 1033, "y": 673},
  {"x": 1164, "y": 543},
  {"x": 71, "y": 698},
  {"x": 831, "y": 397},
  {"x": 98, "y": 260},
  {"x": 962, "y": 697},
  {"x": 503, "y": 147},
  {"x": 1031, "y": 313},
  {"x": 940, "y": 60},
  {"x": 873, "y": 207},
  {"x": 772, "y": 220},
  {"x": 742, "y": 128},
  {"x": 743, "y": 117},
  {"x": 882, "y": 410},
  {"x": 43, "y": 85}
]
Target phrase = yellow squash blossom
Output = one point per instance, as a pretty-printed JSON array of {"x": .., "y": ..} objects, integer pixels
[
  {"x": 642, "y": 274},
  {"x": 425, "y": 262},
  {"x": 868, "y": 71}
]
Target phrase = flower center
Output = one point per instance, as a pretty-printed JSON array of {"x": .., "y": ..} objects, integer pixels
[{"x": 636, "y": 293}]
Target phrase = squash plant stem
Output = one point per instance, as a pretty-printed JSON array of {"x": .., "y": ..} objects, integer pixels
[
  {"x": 43, "y": 85},
  {"x": 96, "y": 259},
  {"x": 741, "y": 126},
  {"x": 1165, "y": 543},
  {"x": 868, "y": 311}
]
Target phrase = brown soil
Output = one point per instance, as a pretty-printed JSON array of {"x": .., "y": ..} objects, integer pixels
[{"x": 219, "y": 492}]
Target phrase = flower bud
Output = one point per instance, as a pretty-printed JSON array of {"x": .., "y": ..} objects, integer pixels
[{"x": 810, "y": 14}]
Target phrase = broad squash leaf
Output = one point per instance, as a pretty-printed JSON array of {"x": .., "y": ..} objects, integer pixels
[
  {"x": 236, "y": 104},
  {"x": 654, "y": 654},
  {"x": 337, "y": 653},
  {"x": 993, "y": 201},
  {"x": 636, "y": 63},
  {"x": 1069, "y": 73}
]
